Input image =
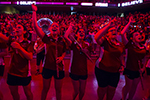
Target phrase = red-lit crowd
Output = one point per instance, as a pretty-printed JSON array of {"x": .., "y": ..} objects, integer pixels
[{"x": 124, "y": 47}]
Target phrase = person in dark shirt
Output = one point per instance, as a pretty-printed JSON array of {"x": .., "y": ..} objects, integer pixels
[
  {"x": 40, "y": 54},
  {"x": 55, "y": 53},
  {"x": 78, "y": 62},
  {"x": 136, "y": 52},
  {"x": 3, "y": 52},
  {"x": 20, "y": 69},
  {"x": 110, "y": 63}
]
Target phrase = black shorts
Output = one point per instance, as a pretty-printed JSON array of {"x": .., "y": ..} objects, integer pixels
[
  {"x": 77, "y": 77},
  {"x": 2, "y": 70},
  {"x": 48, "y": 73},
  {"x": 148, "y": 71},
  {"x": 131, "y": 74},
  {"x": 105, "y": 78},
  {"x": 15, "y": 80},
  {"x": 40, "y": 56}
]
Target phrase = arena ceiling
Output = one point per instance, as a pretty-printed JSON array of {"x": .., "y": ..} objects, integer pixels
[
  {"x": 145, "y": 6},
  {"x": 111, "y": 10}
]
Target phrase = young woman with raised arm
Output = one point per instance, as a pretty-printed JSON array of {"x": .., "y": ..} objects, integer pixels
[
  {"x": 78, "y": 62},
  {"x": 136, "y": 52},
  {"x": 55, "y": 53},
  {"x": 110, "y": 63}
]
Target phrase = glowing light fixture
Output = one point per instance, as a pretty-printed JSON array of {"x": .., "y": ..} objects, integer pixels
[{"x": 86, "y": 4}]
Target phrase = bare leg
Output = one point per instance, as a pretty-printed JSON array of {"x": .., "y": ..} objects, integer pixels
[
  {"x": 76, "y": 88},
  {"x": 147, "y": 95},
  {"x": 14, "y": 92},
  {"x": 1, "y": 94},
  {"x": 110, "y": 92},
  {"x": 133, "y": 88},
  {"x": 46, "y": 86},
  {"x": 101, "y": 91},
  {"x": 82, "y": 86},
  {"x": 58, "y": 86},
  {"x": 126, "y": 88},
  {"x": 27, "y": 91}
]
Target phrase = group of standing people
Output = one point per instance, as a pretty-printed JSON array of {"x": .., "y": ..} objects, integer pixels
[
  {"x": 111, "y": 61},
  {"x": 107, "y": 69}
]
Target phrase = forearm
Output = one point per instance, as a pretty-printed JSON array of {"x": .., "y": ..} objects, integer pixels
[
  {"x": 2, "y": 54},
  {"x": 124, "y": 39},
  {"x": 4, "y": 38},
  {"x": 67, "y": 33},
  {"x": 101, "y": 32},
  {"x": 125, "y": 28},
  {"x": 122, "y": 59},
  {"x": 27, "y": 55},
  {"x": 69, "y": 30},
  {"x": 145, "y": 62},
  {"x": 40, "y": 49},
  {"x": 63, "y": 55},
  {"x": 38, "y": 30}
]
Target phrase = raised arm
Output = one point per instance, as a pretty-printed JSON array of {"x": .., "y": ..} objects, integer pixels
[
  {"x": 67, "y": 33},
  {"x": 124, "y": 38},
  {"x": 35, "y": 25},
  {"x": 4, "y": 38},
  {"x": 98, "y": 36}
]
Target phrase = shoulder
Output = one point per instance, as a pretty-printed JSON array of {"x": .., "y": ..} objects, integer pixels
[
  {"x": 129, "y": 44},
  {"x": 86, "y": 43}
]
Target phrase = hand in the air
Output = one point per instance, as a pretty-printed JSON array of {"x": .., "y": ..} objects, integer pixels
[
  {"x": 112, "y": 22},
  {"x": 34, "y": 7},
  {"x": 131, "y": 20}
]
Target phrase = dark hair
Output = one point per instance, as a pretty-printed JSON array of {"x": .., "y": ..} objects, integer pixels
[
  {"x": 139, "y": 31},
  {"x": 24, "y": 27},
  {"x": 131, "y": 34},
  {"x": 78, "y": 30}
]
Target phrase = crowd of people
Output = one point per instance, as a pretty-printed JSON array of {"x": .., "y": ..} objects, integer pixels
[
  {"x": 117, "y": 36},
  {"x": 90, "y": 23}
]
